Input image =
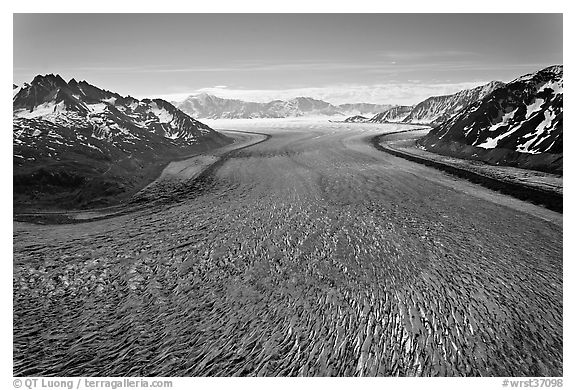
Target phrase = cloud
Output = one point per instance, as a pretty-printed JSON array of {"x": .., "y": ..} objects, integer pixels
[
  {"x": 391, "y": 66},
  {"x": 238, "y": 66},
  {"x": 422, "y": 55},
  {"x": 396, "y": 93}
]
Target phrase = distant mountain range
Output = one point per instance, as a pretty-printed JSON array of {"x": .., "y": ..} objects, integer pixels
[
  {"x": 82, "y": 144},
  {"x": 212, "y": 107},
  {"x": 521, "y": 118}
]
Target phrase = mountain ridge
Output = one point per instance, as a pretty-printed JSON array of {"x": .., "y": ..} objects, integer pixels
[
  {"x": 108, "y": 143},
  {"x": 395, "y": 114},
  {"x": 434, "y": 109},
  {"x": 521, "y": 118},
  {"x": 437, "y": 109}
]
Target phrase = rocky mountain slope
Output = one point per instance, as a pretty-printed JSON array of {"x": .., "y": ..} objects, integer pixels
[
  {"x": 438, "y": 109},
  {"x": 356, "y": 119},
  {"x": 213, "y": 107},
  {"x": 76, "y": 145},
  {"x": 519, "y": 123},
  {"x": 435, "y": 109},
  {"x": 394, "y": 114}
]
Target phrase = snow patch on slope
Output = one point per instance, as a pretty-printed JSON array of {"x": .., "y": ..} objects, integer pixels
[
  {"x": 41, "y": 110},
  {"x": 534, "y": 107},
  {"x": 540, "y": 129},
  {"x": 162, "y": 115},
  {"x": 493, "y": 142}
]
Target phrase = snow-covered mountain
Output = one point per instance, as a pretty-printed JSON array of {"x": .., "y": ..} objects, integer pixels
[
  {"x": 109, "y": 115},
  {"x": 523, "y": 116},
  {"x": 213, "y": 107},
  {"x": 74, "y": 129}
]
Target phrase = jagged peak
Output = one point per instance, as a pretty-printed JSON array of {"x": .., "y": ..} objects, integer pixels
[{"x": 51, "y": 78}]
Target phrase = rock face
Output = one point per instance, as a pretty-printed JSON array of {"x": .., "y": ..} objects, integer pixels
[
  {"x": 520, "y": 118},
  {"x": 435, "y": 109},
  {"x": 213, "y": 107},
  {"x": 77, "y": 145},
  {"x": 395, "y": 114}
]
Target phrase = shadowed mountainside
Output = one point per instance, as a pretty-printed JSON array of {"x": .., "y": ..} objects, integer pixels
[
  {"x": 518, "y": 124},
  {"x": 76, "y": 145}
]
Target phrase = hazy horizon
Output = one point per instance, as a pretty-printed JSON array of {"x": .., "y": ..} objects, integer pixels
[{"x": 339, "y": 58}]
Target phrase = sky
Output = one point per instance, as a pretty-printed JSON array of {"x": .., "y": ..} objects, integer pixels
[{"x": 340, "y": 58}]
